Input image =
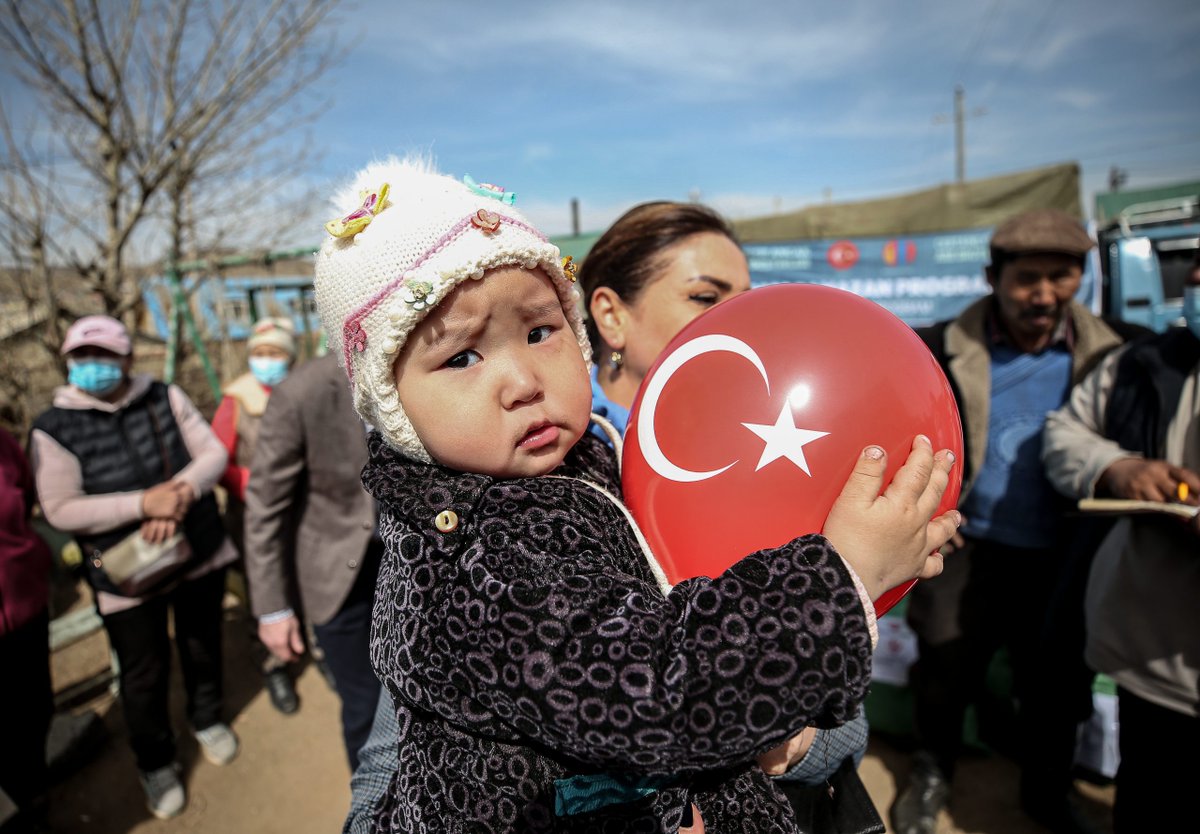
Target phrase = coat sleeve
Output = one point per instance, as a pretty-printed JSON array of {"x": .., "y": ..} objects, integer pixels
[
  {"x": 277, "y": 482},
  {"x": 377, "y": 761},
  {"x": 601, "y": 667},
  {"x": 1074, "y": 449},
  {"x": 208, "y": 455}
]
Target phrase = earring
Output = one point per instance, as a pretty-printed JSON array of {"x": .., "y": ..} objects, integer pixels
[{"x": 616, "y": 360}]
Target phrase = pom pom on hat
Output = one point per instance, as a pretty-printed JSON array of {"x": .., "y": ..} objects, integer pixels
[{"x": 405, "y": 255}]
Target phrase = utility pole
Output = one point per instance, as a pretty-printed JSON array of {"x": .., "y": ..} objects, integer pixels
[
  {"x": 1116, "y": 178},
  {"x": 960, "y": 163},
  {"x": 960, "y": 143}
]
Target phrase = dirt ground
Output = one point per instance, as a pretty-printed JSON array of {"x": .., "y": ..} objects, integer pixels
[{"x": 291, "y": 776}]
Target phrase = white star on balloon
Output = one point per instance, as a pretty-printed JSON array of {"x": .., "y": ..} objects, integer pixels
[{"x": 784, "y": 440}]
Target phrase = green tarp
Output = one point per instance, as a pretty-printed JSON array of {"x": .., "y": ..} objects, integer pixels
[{"x": 970, "y": 205}]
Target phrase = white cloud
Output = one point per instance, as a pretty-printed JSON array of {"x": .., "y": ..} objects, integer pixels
[
  {"x": 1077, "y": 97},
  {"x": 537, "y": 151},
  {"x": 699, "y": 48}
]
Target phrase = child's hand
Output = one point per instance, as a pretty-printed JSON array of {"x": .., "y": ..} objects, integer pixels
[{"x": 889, "y": 539}]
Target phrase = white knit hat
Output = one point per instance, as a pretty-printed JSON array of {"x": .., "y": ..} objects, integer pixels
[
  {"x": 407, "y": 236},
  {"x": 273, "y": 332}
]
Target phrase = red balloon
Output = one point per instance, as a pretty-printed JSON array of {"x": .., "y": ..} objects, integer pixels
[{"x": 745, "y": 430}]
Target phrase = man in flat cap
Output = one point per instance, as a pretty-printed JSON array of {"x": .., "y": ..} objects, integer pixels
[{"x": 1011, "y": 358}]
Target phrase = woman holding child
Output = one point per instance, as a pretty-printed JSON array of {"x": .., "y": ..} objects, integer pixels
[
  {"x": 121, "y": 456},
  {"x": 544, "y": 674},
  {"x": 657, "y": 267}
]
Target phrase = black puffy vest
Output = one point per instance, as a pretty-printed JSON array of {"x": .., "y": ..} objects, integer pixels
[
  {"x": 1145, "y": 394},
  {"x": 124, "y": 451}
]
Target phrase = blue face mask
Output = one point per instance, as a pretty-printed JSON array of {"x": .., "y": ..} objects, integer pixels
[
  {"x": 268, "y": 370},
  {"x": 1191, "y": 309},
  {"x": 97, "y": 377}
]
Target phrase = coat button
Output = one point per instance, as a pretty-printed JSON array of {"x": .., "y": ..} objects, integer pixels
[
  {"x": 446, "y": 521},
  {"x": 353, "y": 563}
]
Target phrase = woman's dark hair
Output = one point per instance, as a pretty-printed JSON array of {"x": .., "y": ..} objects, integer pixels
[{"x": 627, "y": 256}]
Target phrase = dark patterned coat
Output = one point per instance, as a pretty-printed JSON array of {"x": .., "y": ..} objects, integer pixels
[{"x": 531, "y": 643}]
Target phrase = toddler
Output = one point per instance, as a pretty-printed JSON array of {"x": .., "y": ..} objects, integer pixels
[{"x": 546, "y": 677}]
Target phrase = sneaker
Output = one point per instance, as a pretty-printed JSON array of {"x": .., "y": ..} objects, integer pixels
[
  {"x": 281, "y": 691},
  {"x": 218, "y": 742},
  {"x": 164, "y": 792}
]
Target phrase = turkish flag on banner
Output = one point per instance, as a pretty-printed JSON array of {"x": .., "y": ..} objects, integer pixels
[{"x": 745, "y": 430}]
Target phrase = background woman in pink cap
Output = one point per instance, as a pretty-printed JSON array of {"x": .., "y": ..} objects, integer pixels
[{"x": 121, "y": 454}]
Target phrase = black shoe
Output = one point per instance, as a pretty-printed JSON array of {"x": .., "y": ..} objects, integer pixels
[
  {"x": 281, "y": 691},
  {"x": 916, "y": 808}
]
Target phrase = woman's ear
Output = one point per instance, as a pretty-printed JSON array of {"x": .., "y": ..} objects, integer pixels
[{"x": 611, "y": 316}]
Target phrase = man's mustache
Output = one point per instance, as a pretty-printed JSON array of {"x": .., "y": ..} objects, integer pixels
[{"x": 1036, "y": 312}]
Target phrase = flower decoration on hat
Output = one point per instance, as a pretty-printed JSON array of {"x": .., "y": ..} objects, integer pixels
[
  {"x": 355, "y": 336},
  {"x": 486, "y": 221},
  {"x": 373, "y": 202},
  {"x": 418, "y": 294},
  {"x": 570, "y": 268},
  {"x": 486, "y": 189}
]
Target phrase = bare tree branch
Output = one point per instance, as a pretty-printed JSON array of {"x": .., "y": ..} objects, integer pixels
[{"x": 164, "y": 103}]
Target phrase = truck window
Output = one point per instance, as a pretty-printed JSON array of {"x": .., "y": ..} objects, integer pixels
[{"x": 1175, "y": 259}]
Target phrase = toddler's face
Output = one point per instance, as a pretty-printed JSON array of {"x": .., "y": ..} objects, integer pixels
[{"x": 493, "y": 379}]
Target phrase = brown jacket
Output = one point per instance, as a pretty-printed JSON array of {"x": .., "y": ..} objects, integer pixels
[
  {"x": 308, "y": 518},
  {"x": 961, "y": 347}
]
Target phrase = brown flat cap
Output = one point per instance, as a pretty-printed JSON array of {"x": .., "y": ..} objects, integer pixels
[{"x": 1039, "y": 231}]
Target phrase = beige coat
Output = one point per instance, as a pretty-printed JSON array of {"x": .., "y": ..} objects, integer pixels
[{"x": 308, "y": 518}]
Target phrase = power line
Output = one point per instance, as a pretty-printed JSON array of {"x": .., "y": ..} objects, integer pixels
[
  {"x": 1099, "y": 153},
  {"x": 972, "y": 50}
]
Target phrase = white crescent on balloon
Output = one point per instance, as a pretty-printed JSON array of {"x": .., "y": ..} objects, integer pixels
[
  {"x": 648, "y": 440},
  {"x": 781, "y": 439}
]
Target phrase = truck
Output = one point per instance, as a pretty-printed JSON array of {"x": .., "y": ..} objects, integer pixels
[{"x": 1148, "y": 244}]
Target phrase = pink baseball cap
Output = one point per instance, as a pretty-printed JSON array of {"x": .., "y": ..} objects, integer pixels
[{"x": 97, "y": 331}]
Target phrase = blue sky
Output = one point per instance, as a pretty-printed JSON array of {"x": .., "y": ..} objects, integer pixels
[
  {"x": 754, "y": 107},
  {"x": 762, "y": 106}
]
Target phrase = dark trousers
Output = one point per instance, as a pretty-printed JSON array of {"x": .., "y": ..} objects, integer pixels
[
  {"x": 1153, "y": 795},
  {"x": 1059, "y": 697},
  {"x": 346, "y": 641},
  {"x": 140, "y": 638},
  {"x": 989, "y": 596},
  {"x": 26, "y": 705}
]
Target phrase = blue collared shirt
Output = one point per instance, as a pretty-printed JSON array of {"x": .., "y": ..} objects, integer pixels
[{"x": 618, "y": 415}]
